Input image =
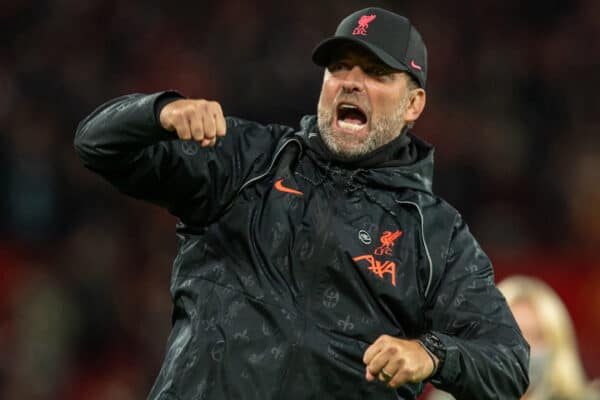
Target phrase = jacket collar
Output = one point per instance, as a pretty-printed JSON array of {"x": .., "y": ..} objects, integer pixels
[{"x": 414, "y": 171}]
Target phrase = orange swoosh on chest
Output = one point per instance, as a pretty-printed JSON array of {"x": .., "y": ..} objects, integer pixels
[{"x": 279, "y": 186}]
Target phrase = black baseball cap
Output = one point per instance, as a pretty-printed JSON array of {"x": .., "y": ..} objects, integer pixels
[{"x": 389, "y": 36}]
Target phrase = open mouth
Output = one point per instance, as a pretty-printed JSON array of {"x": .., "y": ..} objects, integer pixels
[{"x": 351, "y": 117}]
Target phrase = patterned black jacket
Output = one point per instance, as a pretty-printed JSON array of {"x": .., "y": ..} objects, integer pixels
[{"x": 290, "y": 265}]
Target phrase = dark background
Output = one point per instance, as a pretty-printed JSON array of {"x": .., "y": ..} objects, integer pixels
[{"x": 84, "y": 272}]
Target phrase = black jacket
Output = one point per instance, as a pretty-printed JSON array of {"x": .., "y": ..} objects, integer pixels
[{"x": 290, "y": 265}]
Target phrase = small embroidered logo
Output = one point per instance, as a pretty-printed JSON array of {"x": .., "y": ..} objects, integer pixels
[
  {"x": 364, "y": 236},
  {"x": 279, "y": 186},
  {"x": 387, "y": 242},
  {"x": 363, "y": 25},
  {"x": 415, "y": 65},
  {"x": 189, "y": 147}
]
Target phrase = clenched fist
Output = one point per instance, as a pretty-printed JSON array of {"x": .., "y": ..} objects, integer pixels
[
  {"x": 199, "y": 120},
  {"x": 397, "y": 361}
]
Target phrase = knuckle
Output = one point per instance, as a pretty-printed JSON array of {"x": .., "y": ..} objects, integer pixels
[
  {"x": 392, "y": 350},
  {"x": 174, "y": 115},
  {"x": 202, "y": 105},
  {"x": 198, "y": 135},
  {"x": 190, "y": 111},
  {"x": 411, "y": 373}
]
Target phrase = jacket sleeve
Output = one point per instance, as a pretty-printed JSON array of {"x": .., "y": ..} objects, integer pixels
[
  {"x": 124, "y": 143},
  {"x": 486, "y": 356}
]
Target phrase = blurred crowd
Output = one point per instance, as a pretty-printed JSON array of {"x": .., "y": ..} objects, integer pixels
[{"x": 84, "y": 272}]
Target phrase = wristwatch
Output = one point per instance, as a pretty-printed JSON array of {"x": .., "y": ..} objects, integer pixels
[{"x": 433, "y": 346}]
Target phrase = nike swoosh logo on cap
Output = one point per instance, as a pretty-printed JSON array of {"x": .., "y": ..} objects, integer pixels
[
  {"x": 415, "y": 66},
  {"x": 279, "y": 186}
]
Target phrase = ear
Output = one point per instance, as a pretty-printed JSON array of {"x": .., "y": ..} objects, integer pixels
[{"x": 416, "y": 104}]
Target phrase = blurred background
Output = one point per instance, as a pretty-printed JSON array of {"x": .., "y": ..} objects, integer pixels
[{"x": 84, "y": 272}]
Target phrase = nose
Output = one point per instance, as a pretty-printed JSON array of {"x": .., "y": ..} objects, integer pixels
[{"x": 354, "y": 79}]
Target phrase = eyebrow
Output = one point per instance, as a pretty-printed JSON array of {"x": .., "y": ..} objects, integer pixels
[{"x": 368, "y": 61}]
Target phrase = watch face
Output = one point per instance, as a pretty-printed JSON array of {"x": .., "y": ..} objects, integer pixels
[{"x": 434, "y": 344}]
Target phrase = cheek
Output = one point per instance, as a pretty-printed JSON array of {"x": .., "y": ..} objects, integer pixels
[
  {"x": 328, "y": 91},
  {"x": 384, "y": 100},
  {"x": 383, "y": 105}
]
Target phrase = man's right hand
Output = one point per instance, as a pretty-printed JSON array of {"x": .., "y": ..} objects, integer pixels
[{"x": 199, "y": 120}]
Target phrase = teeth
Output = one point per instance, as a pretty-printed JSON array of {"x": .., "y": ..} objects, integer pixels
[
  {"x": 348, "y": 106},
  {"x": 350, "y": 126}
]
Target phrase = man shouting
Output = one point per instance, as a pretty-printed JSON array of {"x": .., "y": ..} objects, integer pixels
[{"x": 314, "y": 262}]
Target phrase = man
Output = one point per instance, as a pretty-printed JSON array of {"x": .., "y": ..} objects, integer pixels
[{"x": 314, "y": 263}]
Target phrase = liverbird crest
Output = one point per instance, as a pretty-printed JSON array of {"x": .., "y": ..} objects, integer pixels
[{"x": 363, "y": 25}]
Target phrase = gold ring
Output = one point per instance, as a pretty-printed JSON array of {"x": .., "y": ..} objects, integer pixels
[{"x": 387, "y": 377}]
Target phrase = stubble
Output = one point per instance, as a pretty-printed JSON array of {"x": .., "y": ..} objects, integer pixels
[{"x": 383, "y": 130}]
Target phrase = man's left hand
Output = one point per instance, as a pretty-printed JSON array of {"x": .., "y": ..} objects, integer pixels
[{"x": 397, "y": 361}]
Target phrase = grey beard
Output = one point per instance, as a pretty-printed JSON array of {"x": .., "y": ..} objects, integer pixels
[{"x": 383, "y": 131}]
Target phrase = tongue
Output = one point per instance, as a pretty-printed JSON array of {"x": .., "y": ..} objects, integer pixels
[{"x": 354, "y": 121}]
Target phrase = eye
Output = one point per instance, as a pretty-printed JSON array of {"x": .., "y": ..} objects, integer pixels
[
  {"x": 376, "y": 70},
  {"x": 337, "y": 66}
]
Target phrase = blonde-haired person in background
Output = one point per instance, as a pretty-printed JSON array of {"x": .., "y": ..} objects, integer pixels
[{"x": 555, "y": 369}]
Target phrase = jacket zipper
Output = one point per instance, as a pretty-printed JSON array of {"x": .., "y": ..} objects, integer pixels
[
  {"x": 423, "y": 241},
  {"x": 259, "y": 177},
  {"x": 242, "y": 187}
]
